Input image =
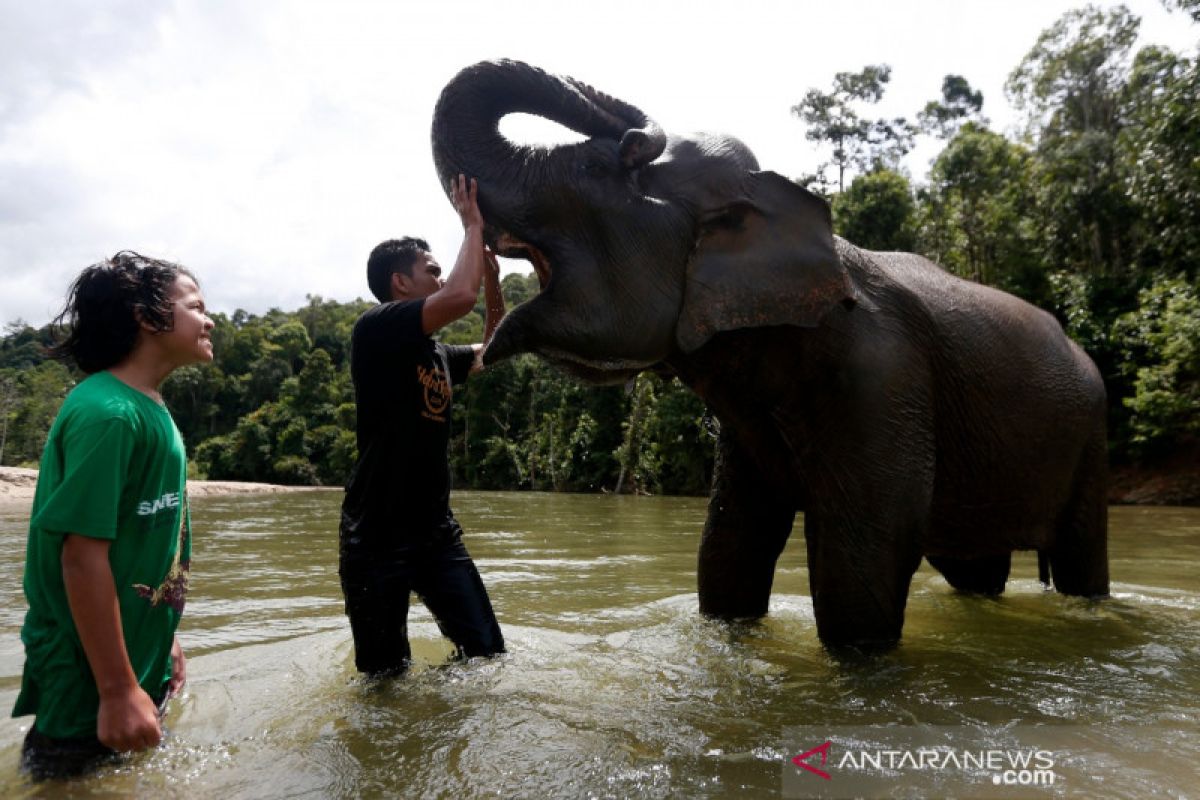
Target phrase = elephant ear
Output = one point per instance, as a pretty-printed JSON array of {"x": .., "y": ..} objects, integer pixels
[{"x": 767, "y": 258}]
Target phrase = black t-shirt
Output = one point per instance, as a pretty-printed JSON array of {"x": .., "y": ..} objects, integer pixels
[{"x": 399, "y": 493}]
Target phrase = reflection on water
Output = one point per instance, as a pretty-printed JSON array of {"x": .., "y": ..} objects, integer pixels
[{"x": 614, "y": 686}]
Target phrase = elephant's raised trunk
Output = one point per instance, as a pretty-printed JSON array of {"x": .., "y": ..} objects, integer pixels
[{"x": 467, "y": 139}]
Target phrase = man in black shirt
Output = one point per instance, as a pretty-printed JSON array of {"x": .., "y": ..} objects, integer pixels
[{"x": 397, "y": 532}]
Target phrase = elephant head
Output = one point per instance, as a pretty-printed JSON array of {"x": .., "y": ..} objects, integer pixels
[{"x": 644, "y": 245}]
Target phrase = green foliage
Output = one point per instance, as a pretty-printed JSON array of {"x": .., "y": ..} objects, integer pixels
[
  {"x": 683, "y": 448},
  {"x": 1071, "y": 78},
  {"x": 1082, "y": 216},
  {"x": 1072, "y": 297},
  {"x": 877, "y": 212},
  {"x": 1160, "y": 341},
  {"x": 277, "y": 405},
  {"x": 958, "y": 103},
  {"x": 637, "y": 455},
  {"x": 29, "y": 400},
  {"x": 291, "y": 342},
  {"x": 23, "y": 346},
  {"x": 857, "y": 143},
  {"x": 1071, "y": 85},
  {"x": 1159, "y": 148},
  {"x": 976, "y": 215}
]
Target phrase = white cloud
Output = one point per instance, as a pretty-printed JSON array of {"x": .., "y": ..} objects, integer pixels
[{"x": 270, "y": 145}]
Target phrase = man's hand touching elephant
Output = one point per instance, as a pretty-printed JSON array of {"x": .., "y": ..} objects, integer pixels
[{"x": 464, "y": 198}]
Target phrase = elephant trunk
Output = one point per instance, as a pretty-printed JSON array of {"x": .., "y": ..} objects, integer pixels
[
  {"x": 467, "y": 139},
  {"x": 512, "y": 337}
]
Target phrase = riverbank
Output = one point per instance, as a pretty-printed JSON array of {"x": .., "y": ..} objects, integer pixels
[
  {"x": 17, "y": 486},
  {"x": 1174, "y": 483}
]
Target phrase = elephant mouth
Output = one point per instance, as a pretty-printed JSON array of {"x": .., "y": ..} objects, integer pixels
[
  {"x": 510, "y": 246},
  {"x": 592, "y": 370}
]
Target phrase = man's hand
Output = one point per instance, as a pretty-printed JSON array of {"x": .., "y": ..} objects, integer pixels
[
  {"x": 128, "y": 720},
  {"x": 464, "y": 197},
  {"x": 178, "y": 669}
]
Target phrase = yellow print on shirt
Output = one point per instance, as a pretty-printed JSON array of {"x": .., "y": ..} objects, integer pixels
[{"x": 437, "y": 392}]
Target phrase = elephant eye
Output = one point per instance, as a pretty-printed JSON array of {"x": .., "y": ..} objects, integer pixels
[{"x": 594, "y": 168}]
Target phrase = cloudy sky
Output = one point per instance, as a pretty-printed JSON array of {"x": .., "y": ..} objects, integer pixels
[{"x": 269, "y": 145}]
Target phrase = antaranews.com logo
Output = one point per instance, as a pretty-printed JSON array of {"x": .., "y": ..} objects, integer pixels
[{"x": 930, "y": 760}]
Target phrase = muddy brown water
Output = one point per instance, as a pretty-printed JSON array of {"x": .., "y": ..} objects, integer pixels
[{"x": 614, "y": 686}]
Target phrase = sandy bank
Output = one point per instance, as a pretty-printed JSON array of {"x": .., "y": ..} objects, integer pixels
[{"x": 17, "y": 486}]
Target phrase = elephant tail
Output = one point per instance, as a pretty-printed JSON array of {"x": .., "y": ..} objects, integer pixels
[{"x": 1044, "y": 568}]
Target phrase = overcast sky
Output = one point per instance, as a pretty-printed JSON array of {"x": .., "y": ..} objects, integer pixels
[{"x": 269, "y": 145}]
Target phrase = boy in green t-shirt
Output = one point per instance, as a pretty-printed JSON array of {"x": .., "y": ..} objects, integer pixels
[{"x": 106, "y": 567}]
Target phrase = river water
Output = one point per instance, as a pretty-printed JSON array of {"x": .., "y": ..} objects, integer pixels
[{"x": 614, "y": 686}]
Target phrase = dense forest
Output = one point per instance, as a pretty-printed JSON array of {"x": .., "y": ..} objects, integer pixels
[{"x": 1091, "y": 211}]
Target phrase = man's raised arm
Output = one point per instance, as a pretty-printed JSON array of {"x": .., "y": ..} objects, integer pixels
[{"x": 455, "y": 299}]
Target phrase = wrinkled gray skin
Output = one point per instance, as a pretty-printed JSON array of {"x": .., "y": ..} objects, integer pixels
[{"x": 907, "y": 412}]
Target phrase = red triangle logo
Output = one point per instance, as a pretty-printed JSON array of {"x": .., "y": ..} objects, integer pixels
[{"x": 801, "y": 760}]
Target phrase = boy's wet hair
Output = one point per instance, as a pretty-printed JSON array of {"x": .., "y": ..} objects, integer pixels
[
  {"x": 394, "y": 255},
  {"x": 107, "y": 304}
]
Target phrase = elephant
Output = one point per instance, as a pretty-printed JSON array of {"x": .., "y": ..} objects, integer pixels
[{"x": 908, "y": 413}]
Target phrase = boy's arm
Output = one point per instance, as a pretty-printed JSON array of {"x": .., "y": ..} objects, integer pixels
[
  {"x": 457, "y": 296},
  {"x": 128, "y": 719}
]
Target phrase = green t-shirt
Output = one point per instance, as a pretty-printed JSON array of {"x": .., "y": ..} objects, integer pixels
[{"x": 114, "y": 468}]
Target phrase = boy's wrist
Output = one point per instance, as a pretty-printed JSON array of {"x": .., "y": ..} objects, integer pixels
[{"x": 114, "y": 688}]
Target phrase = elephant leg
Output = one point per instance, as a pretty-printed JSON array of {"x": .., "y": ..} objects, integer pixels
[
  {"x": 748, "y": 525},
  {"x": 859, "y": 580},
  {"x": 1079, "y": 555},
  {"x": 983, "y": 575}
]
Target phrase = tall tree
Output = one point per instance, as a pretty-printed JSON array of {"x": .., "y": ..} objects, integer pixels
[
  {"x": 1160, "y": 152},
  {"x": 636, "y": 455},
  {"x": 978, "y": 212},
  {"x": 858, "y": 143},
  {"x": 1070, "y": 86},
  {"x": 958, "y": 104}
]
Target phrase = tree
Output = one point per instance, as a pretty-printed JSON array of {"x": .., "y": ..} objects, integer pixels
[
  {"x": 1071, "y": 80},
  {"x": 41, "y": 392},
  {"x": 317, "y": 392},
  {"x": 857, "y": 143},
  {"x": 1159, "y": 150},
  {"x": 1160, "y": 342},
  {"x": 636, "y": 455},
  {"x": 192, "y": 394},
  {"x": 291, "y": 339},
  {"x": 9, "y": 397},
  {"x": 958, "y": 104},
  {"x": 1189, "y": 7},
  {"x": 22, "y": 345},
  {"x": 877, "y": 212},
  {"x": 684, "y": 444},
  {"x": 978, "y": 212},
  {"x": 1070, "y": 86}
]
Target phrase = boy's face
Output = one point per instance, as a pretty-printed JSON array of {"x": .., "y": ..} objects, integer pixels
[
  {"x": 189, "y": 340},
  {"x": 426, "y": 279}
]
